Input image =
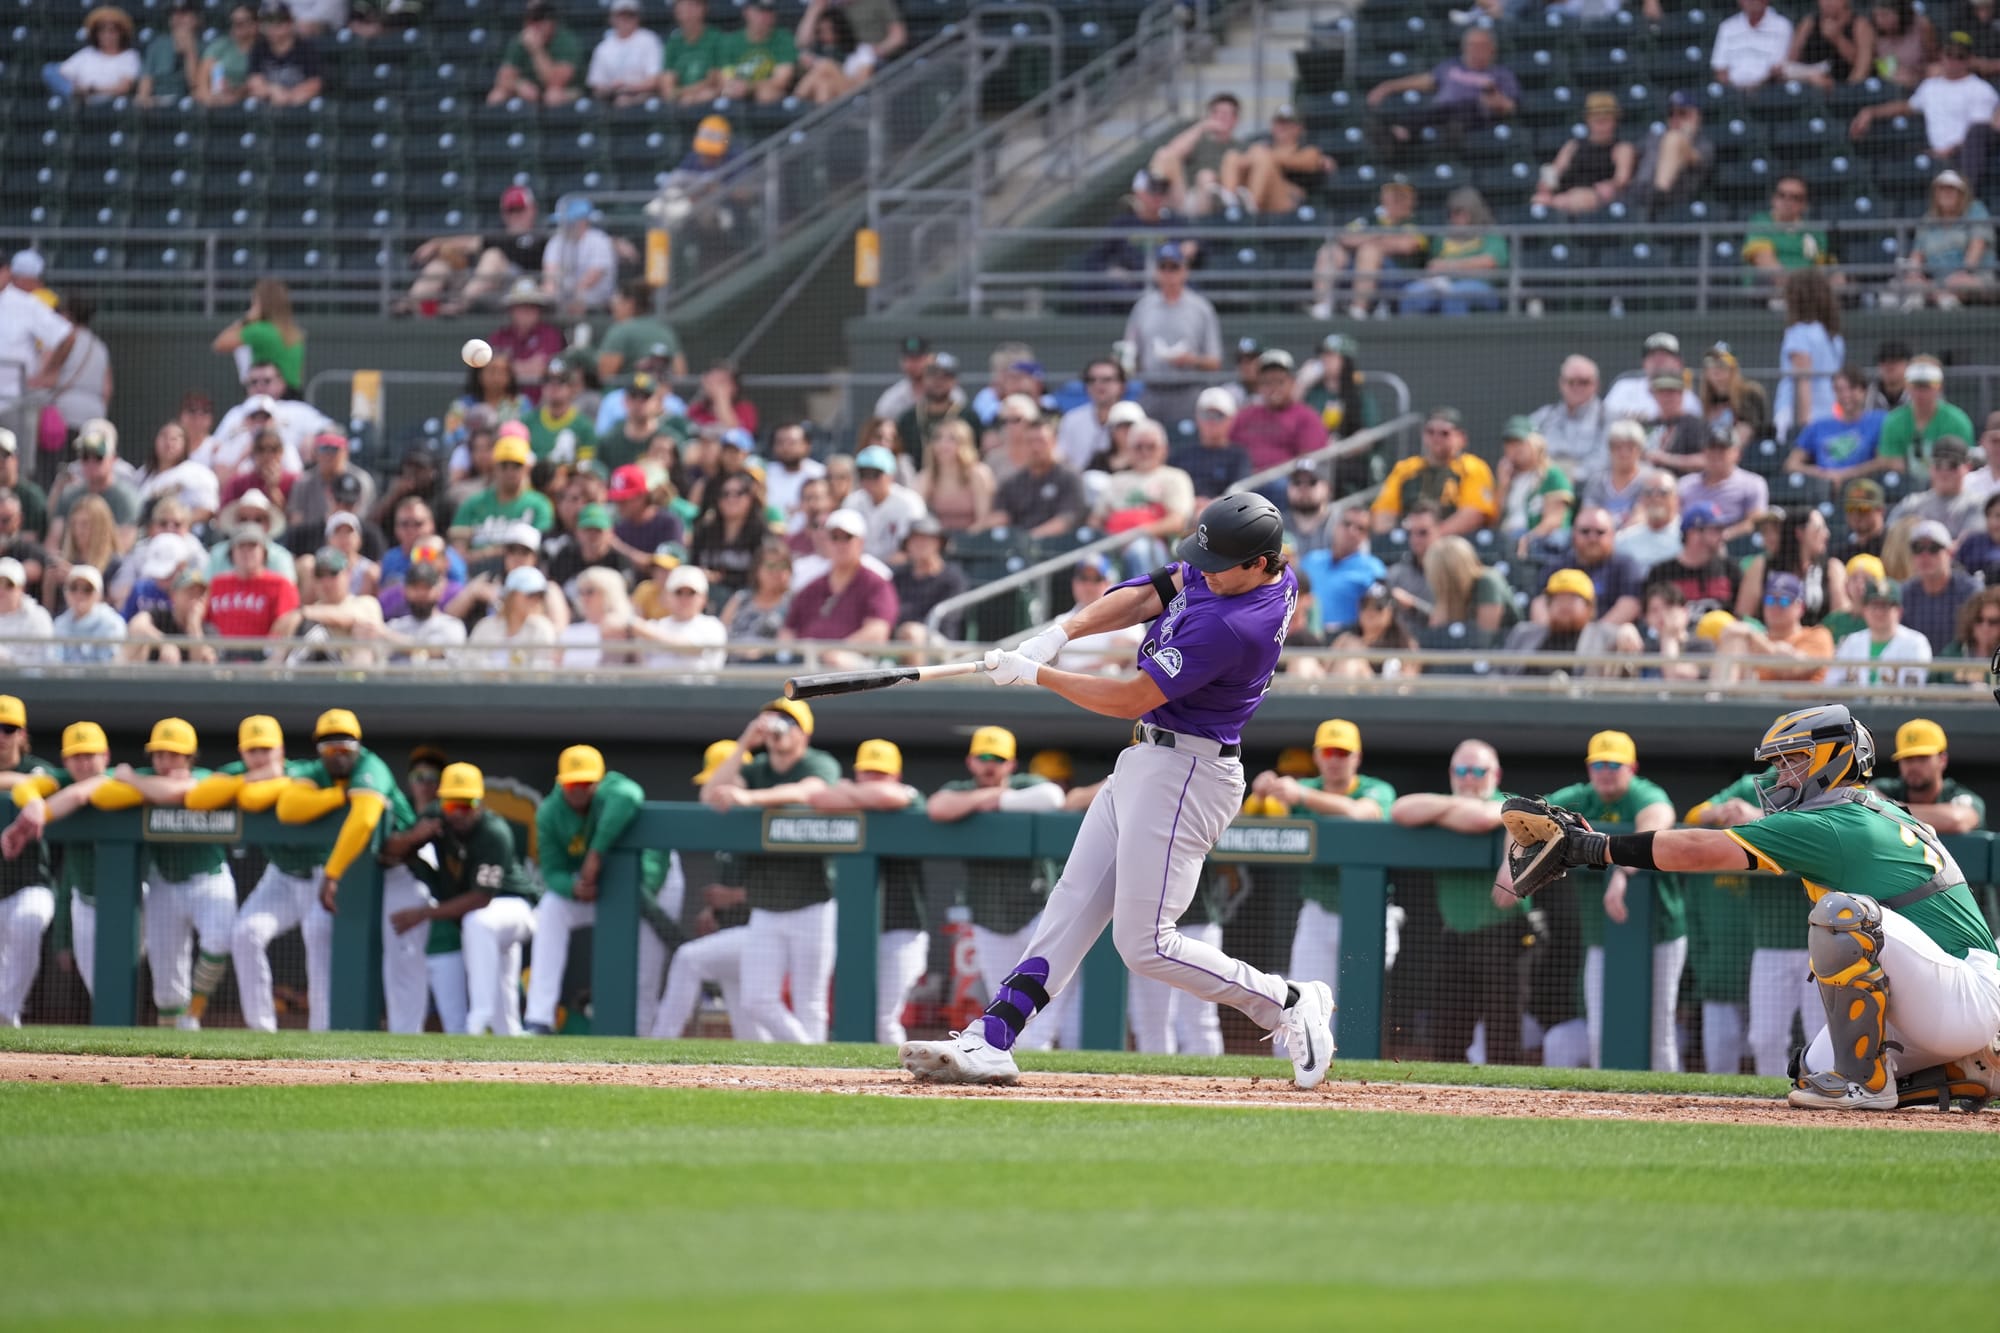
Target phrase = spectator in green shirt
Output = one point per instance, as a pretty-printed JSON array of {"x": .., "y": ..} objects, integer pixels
[
  {"x": 1778, "y": 240},
  {"x": 1924, "y": 418},
  {"x": 267, "y": 334},
  {"x": 635, "y": 332},
  {"x": 1465, "y": 260},
  {"x": 171, "y": 67},
  {"x": 483, "y": 521},
  {"x": 696, "y": 56},
  {"x": 225, "y": 62},
  {"x": 559, "y": 431},
  {"x": 540, "y": 64},
  {"x": 761, "y": 59}
]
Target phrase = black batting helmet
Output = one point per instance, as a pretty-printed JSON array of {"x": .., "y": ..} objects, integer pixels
[{"x": 1233, "y": 531}]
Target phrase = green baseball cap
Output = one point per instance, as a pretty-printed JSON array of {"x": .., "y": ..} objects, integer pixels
[{"x": 594, "y": 516}]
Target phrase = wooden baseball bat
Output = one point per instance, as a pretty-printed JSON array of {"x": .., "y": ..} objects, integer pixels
[{"x": 875, "y": 678}]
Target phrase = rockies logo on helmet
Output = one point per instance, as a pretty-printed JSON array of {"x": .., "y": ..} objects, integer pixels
[{"x": 1233, "y": 531}]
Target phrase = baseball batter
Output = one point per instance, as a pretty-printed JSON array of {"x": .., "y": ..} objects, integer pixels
[
  {"x": 1219, "y": 617},
  {"x": 1909, "y": 979}
]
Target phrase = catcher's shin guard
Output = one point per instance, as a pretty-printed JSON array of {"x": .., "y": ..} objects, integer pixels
[
  {"x": 1941, "y": 1085},
  {"x": 1845, "y": 945}
]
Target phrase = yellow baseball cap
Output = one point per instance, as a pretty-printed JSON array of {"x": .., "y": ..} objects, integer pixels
[
  {"x": 260, "y": 731},
  {"x": 579, "y": 763},
  {"x": 13, "y": 712},
  {"x": 1055, "y": 765},
  {"x": 1918, "y": 737},
  {"x": 1710, "y": 626},
  {"x": 461, "y": 782},
  {"x": 714, "y": 757},
  {"x": 172, "y": 735},
  {"x": 1864, "y": 563},
  {"x": 510, "y": 449},
  {"x": 1265, "y": 807},
  {"x": 84, "y": 738},
  {"x": 1611, "y": 747},
  {"x": 1572, "y": 581},
  {"x": 337, "y": 722},
  {"x": 1337, "y": 734},
  {"x": 795, "y": 709},
  {"x": 1295, "y": 761},
  {"x": 879, "y": 756},
  {"x": 996, "y": 741}
]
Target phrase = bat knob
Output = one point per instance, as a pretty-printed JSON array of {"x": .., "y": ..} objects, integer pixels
[{"x": 791, "y": 689}]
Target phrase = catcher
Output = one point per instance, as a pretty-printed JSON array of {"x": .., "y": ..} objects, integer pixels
[{"x": 1906, "y": 967}]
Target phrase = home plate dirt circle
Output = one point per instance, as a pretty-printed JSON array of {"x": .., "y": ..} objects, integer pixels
[{"x": 1127, "y": 1089}]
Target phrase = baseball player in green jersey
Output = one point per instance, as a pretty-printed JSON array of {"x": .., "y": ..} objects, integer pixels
[
  {"x": 190, "y": 894},
  {"x": 1910, "y": 980},
  {"x": 287, "y": 894},
  {"x": 575, "y": 826},
  {"x": 1484, "y": 927},
  {"x": 1341, "y": 791},
  {"x": 27, "y": 895},
  {"x": 793, "y": 917},
  {"x": 1756, "y": 916},
  {"x": 86, "y": 755},
  {"x": 1006, "y": 897},
  {"x": 1921, "y": 786},
  {"x": 903, "y": 944},
  {"x": 484, "y": 887},
  {"x": 1616, "y": 794},
  {"x": 348, "y": 776}
]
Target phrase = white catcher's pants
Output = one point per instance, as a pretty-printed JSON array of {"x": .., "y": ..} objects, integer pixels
[
  {"x": 1781, "y": 985},
  {"x": 1316, "y": 944},
  {"x": 25, "y": 916},
  {"x": 556, "y": 917},
  {"x": 996, "y": 955},
  {"x": 798, "y": 944},
  {"x": 1136, "y": 864},
  {"x": 900, "y": 958},
  {"x": 492, "y": 938},
  {"x": 279, "y": 902},
  {"x": 448, "y": 989},
  {"x": 716, "y": 957},
  {"x": 202, "y": 909},
  {"x": 1940, "y": 1007},
  {"x": 1166, "y": 1021}
]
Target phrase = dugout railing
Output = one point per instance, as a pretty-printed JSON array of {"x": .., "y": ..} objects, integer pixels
[{"x": 855, "y": 844}]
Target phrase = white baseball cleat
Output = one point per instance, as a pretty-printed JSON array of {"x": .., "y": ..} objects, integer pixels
[
  {"x": 188, "y": 1023},
  {"x": 966, "y": 1058},
  {"x": 1308, "y": 1033},
  {"x": 1830, "y": 1092}
]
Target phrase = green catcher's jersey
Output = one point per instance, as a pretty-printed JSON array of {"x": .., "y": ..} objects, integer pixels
[
  {"x": 1321, "y": 884},
  {"x": 1669, "y": 907},
  {"x": 1863, "y": 844},
  {"x": 178, "y": 862}
]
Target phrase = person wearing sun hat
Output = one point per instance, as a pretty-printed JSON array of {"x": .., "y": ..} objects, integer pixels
[{"x": 107, "y": 65}]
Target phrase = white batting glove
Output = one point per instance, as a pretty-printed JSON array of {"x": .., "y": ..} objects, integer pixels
[
  {"x": 1005, "y": 668},
  {"x": 1043, "y": 647}
]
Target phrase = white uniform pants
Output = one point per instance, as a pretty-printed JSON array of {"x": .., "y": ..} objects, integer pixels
[
  {"x": 1167, "y": 1021},
  {"x": 996, "y": 955},
  {"x": 1940, "y": 1007},
  {"x": 556, "y": 917},
  {"x": 448, "y": 990},
  {"x": 83, "y": 940},
  {"x": 1781, "y": 985},
  {"x": 405, "y": 971},
  {"x": 492, "y": 938},
  {"x": 25, "y": 916},
  {"x": 278, "y": 903},
  {"x": 1316, "y": 944},
  {"x": 1721, "y": 1037},
  {"x": 900, "y": 959},
  {"x": 1136, "y": 864},
  {"x": 1669, "y": 959},
  {"x": 718, "y": 958},
  {"x": 202, "y": 908},
  {"x": 798, "y": 944}
]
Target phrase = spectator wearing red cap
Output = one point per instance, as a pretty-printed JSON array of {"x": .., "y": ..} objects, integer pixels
[
  {"x": 849, "y": 603},
  {"x": 310, "y": 501},
  {"x": 460, "y": 272},
  {"x": 643, "y": 525},
  {"x": 250, "y": 601}
]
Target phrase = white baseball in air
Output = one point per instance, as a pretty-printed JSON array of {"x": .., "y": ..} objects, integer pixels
[{"x": 476, "y": 352}]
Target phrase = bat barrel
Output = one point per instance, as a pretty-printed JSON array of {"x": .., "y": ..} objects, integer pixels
[{"x": 847, "y": 682}]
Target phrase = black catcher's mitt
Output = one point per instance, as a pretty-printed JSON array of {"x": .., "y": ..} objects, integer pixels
[{"x": 1544, "y": 841}]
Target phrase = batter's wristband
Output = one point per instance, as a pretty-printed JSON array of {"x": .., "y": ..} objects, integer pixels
[{"x": 1634, "y": 850}]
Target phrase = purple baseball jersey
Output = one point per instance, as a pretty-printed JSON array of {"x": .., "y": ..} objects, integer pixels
[{"x": 1213, "y": 656}]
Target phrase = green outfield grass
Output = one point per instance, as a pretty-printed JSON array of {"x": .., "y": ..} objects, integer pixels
[
  {"x": 535, "y": 1206},
  {"x": 235, "y": 1044}
]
